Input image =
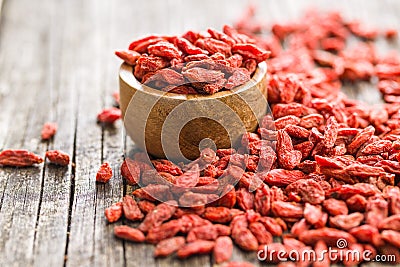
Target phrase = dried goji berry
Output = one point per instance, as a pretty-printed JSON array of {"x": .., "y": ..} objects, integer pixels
[
  {"x": 57, "y": 157},
  {"x": 19, "y": 158},
  {"x": 376, "y": 210},
  {"x": 245, "y": 199},
  {"x": 163, "y": 165},
  {"x": 164, "y": 49},
  {"x": 188, "y": 48},
  {"x": 259, "y": 231},
  {"x": 158, "y": 215},
  {"x": 335, "y": 207},
  {"x": 167, "y": 76},
  {"x": 367, "y": 233},
  {"x": 218, "y": 214},
  {"x": 245, "y": 239},
  {"x": 114, "y": 212},
  {"x": 190, "y": 178},
  {"x": 146, "y": 206},
  {"x": 251, "y": 51},
  {"x": 131, "y": 209},
  {"x": 288, "y": 157},
  {"x": 223, "y": 249},
  {"x": 281, "y": 177},
  {"x": 315, "y": 216},
  {"x": 130, "y": 170},
  {"x": 214, "y": 46},
  {"x": 49, "y": 130},
  {"x": 128, "y": 233},
  {"x": 109, "y": 115},
  {"x": 196, "y": 247},
  {"x": 287, "y": 210},
  {"x": 329, "y": 235},
  {"x": 392, "y": 237},
  {"x": 168, "y": 246},
  {"x": 153, "y": 191},
  {"x": 205, "y": 232},
  {"x": 104, "y": 173},
  {"x": 130, "y": 57},
  {"x": 239, "y": 77},
  {"x": 262, "y": 200},
  {"x": 164, "y": 231},
  {"x": 309, "y": 190}
]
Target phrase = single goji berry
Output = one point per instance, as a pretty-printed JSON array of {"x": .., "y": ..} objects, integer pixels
[
  {"x": 196, "y": 247},
  {"x": 114, "y": 212},
  {"x": 109, "y": 115},
  {"x": 168, "y": 246},
  {"x": 57, "y": 157},
  {"x": 131, "y": 209},
  {"x": 223, "y": 249},
  {"x": 104, "y": 173},
  {"x": 19, "y": 158},
  {"x": 158, "y": 215},
  {"x": 128, "y": 233},
  {"x": 164, "y": 231},
  {"x": 130, "y": 57},
  {"x": 49, "y": 130}
]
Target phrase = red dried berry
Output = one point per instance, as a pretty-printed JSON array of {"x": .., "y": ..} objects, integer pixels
[
  {"x": 109, "y": 115},
  {"x": 194, "y": 248},
  {"x": 114, "y": 212},
  {"x": 158, "y": 215},
  {"x": 128, "y": 233},
  {"x": 104, "y": 173},
  {"x": 164, "y": 231},
  {"x": 130, "y": 170},
  {"x": 130, "y": 57},
  {"x": 223, "y": 249},
  {"x": 131, "y": 209},
  {"x": 57, "y": 157},
  {"x": 49, "y": 130},
  {"x": 168, "y": 246},
  {"x": 19, "y": 158}
]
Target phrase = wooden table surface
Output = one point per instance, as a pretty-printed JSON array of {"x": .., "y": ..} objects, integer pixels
[{"x": 57, "y": 64}]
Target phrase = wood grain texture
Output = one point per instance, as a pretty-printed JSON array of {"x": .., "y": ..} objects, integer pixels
[
  {"x": 52, "y": 224},
  {"x": 87, "y": 19},
  {"x": 57, "y": 64},
  {"x": 23, "y": 187}
]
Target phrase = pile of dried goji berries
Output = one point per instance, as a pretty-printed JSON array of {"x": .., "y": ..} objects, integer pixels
[
  {"x": 321, "y": 168},
  {"x": 196, "y": 62}
]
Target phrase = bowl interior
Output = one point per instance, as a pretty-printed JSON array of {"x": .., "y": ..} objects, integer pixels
[{"x": 126, "y": 74}]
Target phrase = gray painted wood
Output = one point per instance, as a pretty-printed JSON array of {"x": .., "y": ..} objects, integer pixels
[{"x": 57, "y": 64}]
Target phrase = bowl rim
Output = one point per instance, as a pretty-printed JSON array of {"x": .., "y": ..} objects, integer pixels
[{"x": 126, "y": 74}]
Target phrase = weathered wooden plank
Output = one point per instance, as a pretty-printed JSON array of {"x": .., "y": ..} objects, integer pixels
[
  {"x": 85, "y": 19},
  {"x": 22, "y": 193},
  {"x": 52, "y": 225},
  {"x": 90, "y": 199},
  {"x": 109, "y": 251}
]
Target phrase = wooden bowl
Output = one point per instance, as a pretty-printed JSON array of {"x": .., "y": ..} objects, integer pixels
[{"x": 169, "y": 125}]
